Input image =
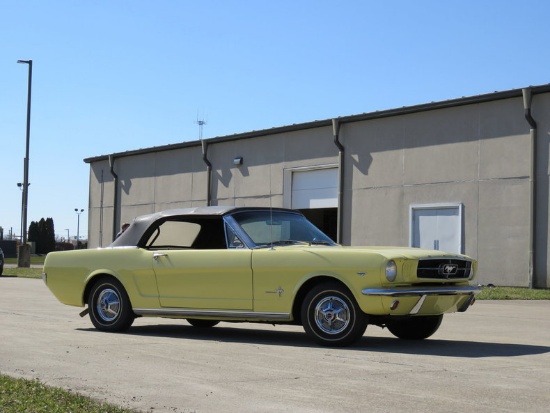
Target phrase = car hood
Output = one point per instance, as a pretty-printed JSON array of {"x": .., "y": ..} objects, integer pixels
[
  {"x": 389, "y": 252},
  {"x": 408, "y": 252}
]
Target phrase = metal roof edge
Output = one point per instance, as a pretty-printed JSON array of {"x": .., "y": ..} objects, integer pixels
[{"x": 328, "y": 122}]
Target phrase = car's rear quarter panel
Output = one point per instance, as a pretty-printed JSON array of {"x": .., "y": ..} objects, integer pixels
[{"x": 69, "y": 272}]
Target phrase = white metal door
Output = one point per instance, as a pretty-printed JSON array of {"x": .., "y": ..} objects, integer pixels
[{"x": 437, "y": 227}]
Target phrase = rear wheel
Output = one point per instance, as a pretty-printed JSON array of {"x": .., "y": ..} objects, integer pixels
[
  {"x": 415, "y": 328},
  {"x": 331, "y": 316},
  {"x": 109, "y": 306},
  {"x": 195, "y": 322}
]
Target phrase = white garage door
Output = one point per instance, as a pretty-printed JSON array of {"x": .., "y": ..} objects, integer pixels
[
  {"x": 437, "y": 227},
  {"x": 316, "y": 188}
]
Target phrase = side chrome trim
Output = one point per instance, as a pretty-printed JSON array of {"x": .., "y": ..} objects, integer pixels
[
  {"x": 411, "y": 291},
  {"x": 217, "y": 314}
]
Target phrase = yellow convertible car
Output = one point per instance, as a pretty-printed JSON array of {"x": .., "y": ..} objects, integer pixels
[{"x": 267, "y": 265}]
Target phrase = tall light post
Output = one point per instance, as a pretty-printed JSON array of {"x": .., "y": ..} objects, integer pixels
[
  {"x": 24, "y": 256},
  {"x": 78, "y": 212},
  {"x": 68, "y": 236}
]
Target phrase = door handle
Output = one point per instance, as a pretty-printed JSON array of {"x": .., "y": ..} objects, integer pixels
[{"x": 158, "y": 256}]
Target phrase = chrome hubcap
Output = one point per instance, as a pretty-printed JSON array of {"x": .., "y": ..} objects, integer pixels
[
  {"x": 332, "y": 315},
  {"x": 108, "y": 305}
]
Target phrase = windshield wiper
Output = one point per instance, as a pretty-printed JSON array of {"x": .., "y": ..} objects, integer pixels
[
  {"x": 289, "y": 242},
  {"x": 295, "y": 242}
]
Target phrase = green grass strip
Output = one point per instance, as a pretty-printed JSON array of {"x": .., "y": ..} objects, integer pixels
[
  {"x": 26, "y": 396},
  {"x": 23, "y": 272},
  {"x": 512, "y": 293}
]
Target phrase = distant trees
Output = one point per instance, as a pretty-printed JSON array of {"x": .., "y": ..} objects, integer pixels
[
  {"x": 33, "y": 232},
  {"x": 43, "y": 235}
]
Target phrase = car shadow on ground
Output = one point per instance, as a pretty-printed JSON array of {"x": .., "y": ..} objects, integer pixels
[{"x": 298, "y": 338}]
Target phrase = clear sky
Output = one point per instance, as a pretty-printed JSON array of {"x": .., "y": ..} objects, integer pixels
[{"x": 111, "y": 76}]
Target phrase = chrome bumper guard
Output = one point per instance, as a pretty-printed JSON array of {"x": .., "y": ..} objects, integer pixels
[{"x": 423, "y": 293}]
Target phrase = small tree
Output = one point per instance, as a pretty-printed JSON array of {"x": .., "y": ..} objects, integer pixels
[
  {"x": 40, "y": 243},
  {"x": 49, "y": 236},
  {"x": 43, "y": 234},
  {"x": 33, "y": 232}
]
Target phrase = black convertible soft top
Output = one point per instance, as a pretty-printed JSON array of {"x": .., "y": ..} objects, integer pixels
[{"x": 140, "y": 224}]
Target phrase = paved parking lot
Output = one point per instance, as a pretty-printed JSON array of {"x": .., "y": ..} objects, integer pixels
[{"x": 495, "y": 357}]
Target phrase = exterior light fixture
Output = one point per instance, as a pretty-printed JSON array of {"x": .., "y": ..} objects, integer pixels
[{"x": 238, "y": 160}]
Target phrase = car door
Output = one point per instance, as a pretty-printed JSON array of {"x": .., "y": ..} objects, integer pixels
[{"x": 194, "y": 270}]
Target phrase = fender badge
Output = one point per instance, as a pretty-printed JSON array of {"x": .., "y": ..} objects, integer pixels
[{"x": 279, "y": 291}]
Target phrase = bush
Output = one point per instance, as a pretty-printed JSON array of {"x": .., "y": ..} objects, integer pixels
[{"x": 64, "y": 246}]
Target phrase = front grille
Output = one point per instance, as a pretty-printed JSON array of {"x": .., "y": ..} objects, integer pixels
[{"x": 444, "y": 269}]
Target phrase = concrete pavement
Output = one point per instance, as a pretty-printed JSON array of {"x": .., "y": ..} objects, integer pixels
[{"x": 495, "y": 357}]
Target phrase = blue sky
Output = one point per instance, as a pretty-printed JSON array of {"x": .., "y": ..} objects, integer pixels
[{"x": 111, "y": 76}]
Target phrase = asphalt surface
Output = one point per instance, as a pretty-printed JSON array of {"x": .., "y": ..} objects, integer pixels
[{"x": 495, "y": 357}]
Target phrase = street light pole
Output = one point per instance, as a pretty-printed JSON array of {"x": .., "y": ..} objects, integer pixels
[
  {"x": 24, "y": 257},
  {"x": 78, "y": 225}
]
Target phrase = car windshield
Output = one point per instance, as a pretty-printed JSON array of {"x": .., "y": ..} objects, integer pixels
[{"x": 266, "y": 228}]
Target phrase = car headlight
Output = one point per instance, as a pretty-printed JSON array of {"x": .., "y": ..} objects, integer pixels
[
  {"x": 472, "y": 272},
  {"x": 391, "y": 271}
]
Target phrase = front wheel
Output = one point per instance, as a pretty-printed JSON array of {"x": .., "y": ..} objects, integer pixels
[
  {"x": 331, "y": 316},
  {"x": 109, "y": 306},
  {"x": 415, "y": 328}
]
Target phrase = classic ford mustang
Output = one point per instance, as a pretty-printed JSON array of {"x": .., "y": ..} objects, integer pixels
[{"x": 240, "y": 264}]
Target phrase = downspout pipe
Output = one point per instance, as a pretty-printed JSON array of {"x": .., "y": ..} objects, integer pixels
[
  {"x": 336, "y": 134},
  {"x": 208, "y": 172},
  {"x": 527, "y": 100},
  {"x": 115, "y": 195}
]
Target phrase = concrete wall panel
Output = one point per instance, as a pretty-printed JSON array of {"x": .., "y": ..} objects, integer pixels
[
  {"x": 100, "y": 205},
  {"x": 505, "y": 157},
  {"x": 374, "y": 153},
  {"x": 375, "y": 221},
  {"x": 503, "y": 232},
  {"x": 442, "y": 146},
  {"x": 173, "y": 177},
  {"x": 137, "y": 177}
]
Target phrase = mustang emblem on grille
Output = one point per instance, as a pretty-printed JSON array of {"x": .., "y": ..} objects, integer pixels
[{"x": 448, "y": 269}]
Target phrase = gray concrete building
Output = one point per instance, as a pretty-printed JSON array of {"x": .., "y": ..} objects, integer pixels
[{"x": 469, "y": 175}]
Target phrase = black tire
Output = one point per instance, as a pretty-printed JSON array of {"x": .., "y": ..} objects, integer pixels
[
  {"x": 109, "y": 306},
  {"x": 415, "y": 328},
  {"x": 331, "y": 317},
  {"x": 195, "y": 322}
]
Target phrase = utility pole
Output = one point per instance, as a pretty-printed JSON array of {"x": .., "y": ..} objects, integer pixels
[{"x": 24, "y": 256}]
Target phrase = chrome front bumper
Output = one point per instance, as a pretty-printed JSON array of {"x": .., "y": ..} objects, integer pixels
[{"x": 408, "y": 291}]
